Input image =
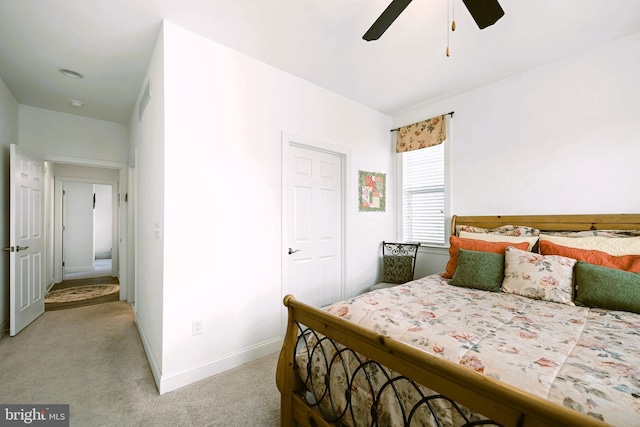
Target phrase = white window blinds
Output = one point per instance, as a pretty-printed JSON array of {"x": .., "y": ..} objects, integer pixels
[{"x": 423, "y": 198}]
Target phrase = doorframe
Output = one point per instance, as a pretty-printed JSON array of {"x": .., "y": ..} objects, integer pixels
[
  {"x": 121, "y": 187},
  {"x": 289, "y": 139},
  {"x": 58, "y": 220}
]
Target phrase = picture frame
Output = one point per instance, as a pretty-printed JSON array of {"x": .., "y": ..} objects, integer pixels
[{"x": 372, "y": 191}]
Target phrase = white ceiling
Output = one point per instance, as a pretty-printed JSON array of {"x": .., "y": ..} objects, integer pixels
[{"x": 110, "y": 42}]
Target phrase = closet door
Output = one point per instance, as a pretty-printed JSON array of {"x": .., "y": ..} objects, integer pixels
[{"x": 313, "y": 221}]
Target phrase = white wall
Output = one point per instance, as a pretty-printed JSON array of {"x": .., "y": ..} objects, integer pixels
[
  {"x": 224, "y": 114},
  {"x": 96, "y": 239},
  {"x": 86, "y": 173},
  {"x": 81, "y": 140},
  {"x": 102, "y": 221},
  {"x": 559, "y": 139},
  {"x": 147, "y": 154},
  {"x": 8, "y": 135},
  {"x": 78, "y": 234}
]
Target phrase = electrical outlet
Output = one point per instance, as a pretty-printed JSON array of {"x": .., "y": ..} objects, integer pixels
[{"x": 196, "y": 327}]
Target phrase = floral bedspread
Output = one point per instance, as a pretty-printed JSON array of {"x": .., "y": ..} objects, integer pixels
[{"x": 585, "y": 359}]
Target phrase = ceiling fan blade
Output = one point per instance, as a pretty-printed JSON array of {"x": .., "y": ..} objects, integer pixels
[
  {"x": 386, "y": 19},
  {"x": 484, "y": 12}
]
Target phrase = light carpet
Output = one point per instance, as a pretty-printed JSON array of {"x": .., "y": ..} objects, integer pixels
[{"x": 92, "y": 359}]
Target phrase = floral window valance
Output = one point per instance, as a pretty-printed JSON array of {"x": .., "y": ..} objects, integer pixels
[{"x": 426, "y": 133}]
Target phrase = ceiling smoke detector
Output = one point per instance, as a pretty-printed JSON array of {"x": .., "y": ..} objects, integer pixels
[
  {"x": 75, "y": 103},
  {"x": 70, "y": 73}
]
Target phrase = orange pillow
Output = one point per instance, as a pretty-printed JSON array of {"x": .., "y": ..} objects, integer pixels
[
  {"x": 457, "y": 243},
  {"x": 624, "y": 262}
]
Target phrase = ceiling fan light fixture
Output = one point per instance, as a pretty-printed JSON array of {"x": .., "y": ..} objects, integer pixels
[
  {"x": 76, "y": 104},
  {"x": 70, "y": 73},
  {"x": 484, "y": 12}
]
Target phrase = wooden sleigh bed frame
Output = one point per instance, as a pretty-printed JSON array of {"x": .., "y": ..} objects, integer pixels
[{"x": 502, "y": 404}]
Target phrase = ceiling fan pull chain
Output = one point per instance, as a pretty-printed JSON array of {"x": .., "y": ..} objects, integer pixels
[
  {"x": 450, "y": 7},
  {"x": 453, "y": 13}
]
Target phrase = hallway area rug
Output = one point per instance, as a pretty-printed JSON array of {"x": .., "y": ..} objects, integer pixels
[{"x": 80, "y": 293}]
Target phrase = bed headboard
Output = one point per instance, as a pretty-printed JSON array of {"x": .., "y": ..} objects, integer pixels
[{"x": 553, "y": 222}]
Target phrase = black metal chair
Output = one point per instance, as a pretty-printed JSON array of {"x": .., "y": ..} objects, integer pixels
[{"x": 398, "y": 262}]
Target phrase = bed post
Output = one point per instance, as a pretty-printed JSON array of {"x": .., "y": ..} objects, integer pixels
[
  {"x": 285, "y": 374},
  {"x": 453, "y": 224}
]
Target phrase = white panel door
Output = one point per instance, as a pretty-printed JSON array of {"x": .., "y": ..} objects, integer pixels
[
  {"x": 314, "y": 226},
  {"x": 27, "y": 287}
]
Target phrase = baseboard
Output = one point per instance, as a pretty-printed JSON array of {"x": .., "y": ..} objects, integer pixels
[
  {"x": 153, "y": 363},
  {"x": 180, "y": 379},
  {"x": 167, "y": 383}
]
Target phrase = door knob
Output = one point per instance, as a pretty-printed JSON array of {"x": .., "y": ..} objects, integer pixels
[
  {"x": 21, "y": 248},
  {"x": 291, "y": 251},
  {"x": 10, "y": 249}
]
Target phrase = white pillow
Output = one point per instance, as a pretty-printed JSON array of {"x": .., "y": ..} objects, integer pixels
[
  {"x": 531, "y": 240},
  {"x": 612, "y": 246}
]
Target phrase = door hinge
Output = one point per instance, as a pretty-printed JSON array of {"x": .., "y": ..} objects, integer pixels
[{"x": 63, "y": 263}]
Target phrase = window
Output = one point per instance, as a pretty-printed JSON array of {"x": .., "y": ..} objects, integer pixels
[{"x": 423, "y": 196}]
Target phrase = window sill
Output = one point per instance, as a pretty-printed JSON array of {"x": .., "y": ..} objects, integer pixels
[{"x": 433, "y": 249}]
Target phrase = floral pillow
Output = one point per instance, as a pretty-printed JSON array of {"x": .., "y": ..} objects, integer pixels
[
  {"x": 544, "y": 277},
  {"x": 614, "y": 234},
  {"x": 504, "y": 230}
]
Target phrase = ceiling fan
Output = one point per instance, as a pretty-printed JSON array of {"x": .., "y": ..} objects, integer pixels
[{"x": 484, "y": 12}]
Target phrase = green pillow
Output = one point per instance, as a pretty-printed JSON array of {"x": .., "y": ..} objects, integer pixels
[
  {"x": 479, "y": 270},
  {"x": 397, "y": 269},
  {"x": 608, "y": 288}
]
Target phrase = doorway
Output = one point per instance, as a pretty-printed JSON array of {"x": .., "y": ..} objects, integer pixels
[
  {"x": 87, "y": 230},
  {"x": 80, "y": 248},
  {"x": 313, "y": 215}
]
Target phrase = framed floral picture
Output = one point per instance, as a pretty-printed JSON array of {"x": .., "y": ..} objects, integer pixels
[{"x": 372, "y": 191}]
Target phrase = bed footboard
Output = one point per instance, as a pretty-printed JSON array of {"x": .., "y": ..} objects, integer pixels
[{"x": 459, "y": 386}]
